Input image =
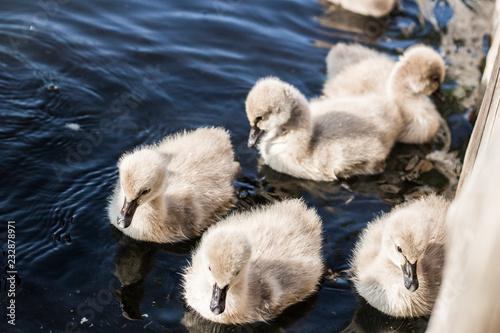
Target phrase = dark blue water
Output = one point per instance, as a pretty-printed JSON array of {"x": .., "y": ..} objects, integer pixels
[{"x": 81, "y": 82}]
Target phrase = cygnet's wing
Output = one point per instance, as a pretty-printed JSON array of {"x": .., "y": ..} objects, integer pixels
[
  {"x": 343, "y": 55},
  {"x": 354, "y": 70}
]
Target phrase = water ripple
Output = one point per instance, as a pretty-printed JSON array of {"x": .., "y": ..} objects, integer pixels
[{"x": 83, "y": 82}]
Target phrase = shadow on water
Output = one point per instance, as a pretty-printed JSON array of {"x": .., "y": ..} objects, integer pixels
[
  {"x": 197, "y": 324},
  {"x": 341, "y": 23},
  {"x": 367, "y": 319},
  {"x": 409, "y": 173},
  {"x": 133, "y": 261}
]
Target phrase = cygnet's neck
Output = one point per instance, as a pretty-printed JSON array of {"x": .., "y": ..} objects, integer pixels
[
  {"x": 155, "y": 210},
  {"x": 400, "y": 91},
  {"x": 240, "y": 296},
  {"x": 399, "y": 87},
  {"x": 299, "y": 127},
  {"x": 420, "y": 117}
]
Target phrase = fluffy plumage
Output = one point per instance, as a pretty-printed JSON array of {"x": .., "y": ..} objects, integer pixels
[
  {"x": 251, "y": 266},
  {"x": 324, "y": 139},
  {"x": 355, "y": 70},
  {"x": 398, "y": 261},
  {"x": 175, "y": 189}
]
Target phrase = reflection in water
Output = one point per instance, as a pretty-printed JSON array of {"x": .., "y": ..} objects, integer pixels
[
  {"x": 133, "y": 263},
  {"x": 197, "y": 324},
  {"x": 134, "y": 260},
  {"x": 409, "y": 173},
  {"x": 98, "y": 54},
  {"x": 367, "y": 319},
  {"x": 365, "y": 28}
]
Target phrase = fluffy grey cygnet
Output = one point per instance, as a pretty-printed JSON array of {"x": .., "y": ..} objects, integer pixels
[
  {"x": 323, "y": 139},
  {"x": 173, "y": 190},
  {"x": 398, "y": 261},
  {"x": 355, "y": 70},
  {"x": 251, "y": 266}
]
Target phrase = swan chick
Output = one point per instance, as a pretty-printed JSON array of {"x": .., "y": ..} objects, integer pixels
[
  {"x": 397, "y": 262},
  {"x": 173, "y": 190},
  {"x": 417, "y": 75},
  {"x": 321, "y": 140},
  {"x": 251, "y": 266},
  {"x": 356, "y": 70}
]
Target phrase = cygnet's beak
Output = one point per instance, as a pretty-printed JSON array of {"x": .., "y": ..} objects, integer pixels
[
  {"x": 127, "y": 213},
  {"x": 438, "y": 93},
  {"x": 254, "y": 137},
  {"x": 410, "y": 276},
  {"x": 218, "y": 302}
]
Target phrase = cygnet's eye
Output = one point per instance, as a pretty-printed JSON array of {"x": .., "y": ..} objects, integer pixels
[
  {"x": 399, "y": 249},
  {"x": 435, "y": 78},
  {"x": 209, "y": 268},
  {"x": 238, "y": 272},
  {"x": 259, "y": 118},
  {"x": 145, "y": 192}
]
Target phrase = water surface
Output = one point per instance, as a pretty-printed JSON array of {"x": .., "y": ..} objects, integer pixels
[{"x": 83, "y": 82}]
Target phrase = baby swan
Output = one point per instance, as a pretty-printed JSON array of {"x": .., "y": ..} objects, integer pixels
[
  {"x": 175, "y": 189},
  {"x": 398, "y": 261},
  {"x": 321, "y": 140},
  {"x": 251, "y": 266},
  {"x": 356, "y": 70},
  {"x": 375, "y": 8}
]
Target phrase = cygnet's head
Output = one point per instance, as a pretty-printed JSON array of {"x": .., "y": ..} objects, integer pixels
[
  {"x": 406, "y": 237},
  {"x": 226, "y": 257},
  {"x": 270, "y": 105},
  {"x": 422, "y": 70},
  {"x": 142, "y": 177}
]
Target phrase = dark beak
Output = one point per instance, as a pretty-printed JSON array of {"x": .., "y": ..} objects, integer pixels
[
  {"x": 410, "y": 275},
  {"x": 438, "y": 93},
  {"x": 127, "y": 213},
  {"x": 254, "y": 137},
  {"x": 218, "y": 302}
]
